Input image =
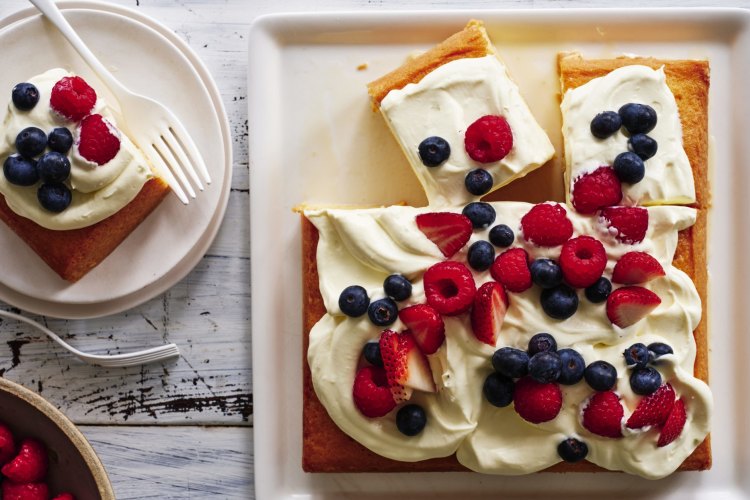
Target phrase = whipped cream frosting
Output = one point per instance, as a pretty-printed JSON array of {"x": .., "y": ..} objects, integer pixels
[
  {"x": 444, "y": 103},
  {"x": 669, "y": 178},
  {"x": 98, "y": 191}
]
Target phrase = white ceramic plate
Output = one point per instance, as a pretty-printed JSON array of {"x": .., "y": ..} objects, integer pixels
[
  {"x": 151, "y": 60},
  {"x": 314, "y": 139}
]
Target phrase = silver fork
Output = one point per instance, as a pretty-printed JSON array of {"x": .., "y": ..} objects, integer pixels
[
  {"x": 110, "y": 361},
  {"x": 149, "y": 124}
]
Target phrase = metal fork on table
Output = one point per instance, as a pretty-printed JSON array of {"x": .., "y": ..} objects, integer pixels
[{"x": 149, "y": 124}]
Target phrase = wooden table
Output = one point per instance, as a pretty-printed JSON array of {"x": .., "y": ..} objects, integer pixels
[{"x": 184, "y": 429}]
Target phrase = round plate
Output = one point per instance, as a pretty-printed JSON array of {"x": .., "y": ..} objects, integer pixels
[{"x": 151, "y": 60}]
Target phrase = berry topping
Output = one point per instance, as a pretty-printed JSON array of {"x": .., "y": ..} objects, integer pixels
[
  {"x": 449, "y": 288},
  {"x": 603, "y": 414},
  {"x": 594, "y": 190},
  {"x": 630, "y": 304},
  {"x": 542, "y": 342},
  {"x": 545, "y": 366},
  {"x": 371, "y": 353},
  {"x": 630, "y": 223},
  {"x": 405, "y": 365},
  {"x": 498, "y": 390},
  {"x": 511, "y": 362},
  {"x": 511, "y": 268},
  {"x": 605, "y": 124},
  {"x": 629, "y": 168},
  {"x": 636, "y": 356},
  {"x": 636, "y": 267},
  {"x": 480, "y": 214},
  {"x": 20, "y": 171},
  {"x": 372, "y": 396},
  {"x": 536, "y": 402},
  {"x": 60, "y": 140},
  {"x": 582, "y": 260},
  {"x": 600, "y": 375},
  {"x": 488, "y": 139},
  {"x": 572, "y": 450},
  {"x": 7, "y": 444},
  {"x": 449, "y": 231},
  {"x": 488, "y": 313},
  {"x": 546, "y": 225},
  {"x": 560, "y": 302},
  {"x": 29, "y": 465},
  {"x": 433, "y": 151},
  {"x": 546, "y": 273},
  {"x": 25, "y": 491},
  {"x": 599, "y": 291},
  {"x": 478, "y": 182},
  {"x": 426, "y": 325},
  {"x": 657, "y": 350},
  {"x": 645, "y": 381},
  {"x": 53, "y": 167},
  {"x": 383, "y": 312},
  {"x": 64, "y": 496},
  {"x": 54, "y": 196},
  {"x": 673, "y": 426},
  {"x": 25, "y": 96},
  {"x": 642, "y": 145},
  {"x": 30, "y": 142},
  {"x": 637, "y": 118},
  {"x": 653, "y": 409},
  {"x": 98, "y": 141},
  {"x": 397, "y": 287},
  {"x": 571, "y": 371},
  {"x": 353, "y": 301},
  {"x": 411, "y": 419},
  {"x": 502, "y": 236},
  {"x": 481, "y": 255},
  {"x": 73, "y": 98}
]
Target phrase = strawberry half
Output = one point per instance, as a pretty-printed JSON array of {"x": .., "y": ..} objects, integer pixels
[
  {"x": 372, "y": 395},
  {"x": 636, "y": 267},
  {"x": 673, "y": 426},
  {"x": 449, "y": 231},
  {"x": 536, "y": 402},
  {"x": 630, "y": 304},
  {"x": 603, "y": 414},
  {"x": 426, "y": 325},
  {"x": 405, "y": 365},
  {"x": 653, "y": 409},
  {"x": 629, "y": 223},
  {"x": 488, "y": 313}
]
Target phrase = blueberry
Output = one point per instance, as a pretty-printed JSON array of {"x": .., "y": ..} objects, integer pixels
[
  {"x": 546, "y": 273},
  {"x": 502, "y": 236},
  {"x": 480, "y": 214},
  {"x": 645, "y": 381},
  {"x": 511, "y": 362},
  {"x": 600, "y": 375},
  {"x": 572, "y": 368},
  {"x": 481, "y": 255},
  {"x": 478, "y": 181},
  {"x": 54, "y": 196},
  {"x": 542, "y": 342},
  {"x": 572, "y": 450},
  {"x": 498, "y": 390},
  {"x": 636, "y": 356},
  {"x": 20, "y": 171},
  {"x": 544, "y": 367},
  {"x": 629, "y": 168},
  {"x": 658, "y": 349},
  {"x": 383, "y": 312},
  {"x": 642, "y": 145},
  {"x": 397, "y": 287},
  {"x": 53, "y": 167},
  {"x": 411, "y": 419},
  {"x": 560, "y": 302},
  {"x": 599, "y": 291},
  {"x": 30, "y": 142},
  {"x": 60, "y": 140},
  {"x": 371, "y": 352},
  {"x": 353, "y": 301},
  {"x": 637, "y": 118},
  {"x": 433, "y": 151},
  {"x": 25, "y": 96},
  {"x": 605, "y": 124}
]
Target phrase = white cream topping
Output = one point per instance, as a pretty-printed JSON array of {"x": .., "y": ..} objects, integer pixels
[
  {"x": 444, "y": 103},
  {"x": 669, "y": 178},
  {"x": 98, "y": 191}
]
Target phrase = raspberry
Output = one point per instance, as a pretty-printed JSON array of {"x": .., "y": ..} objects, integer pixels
[
  {"x": 7, "y": 445},
  {"x": 372, "y": 395},
  {"x": 449, "y": 287},
  {"x": 536, "y": 402},
  {"x": 29, "y": 465},
  {"x": 582, "y": 261},
  {"x": 24, "y": 491},
  {"x": 628, "y": 223},
  {"x": 546, "y": 225},
  {"x": 598, "y": 189},
  {"x": 488, "y": 139},
  {"x": 98, "y": 140},
  {"x": 673, "y": 426},
  {"x": 73, "y": 98},
  {"x": 511, "y": 268},
  {"x": 603, "y": 415},
  {"x": 653, "y": 409}
]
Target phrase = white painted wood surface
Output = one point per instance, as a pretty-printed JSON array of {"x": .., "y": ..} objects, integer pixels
[{"x": 130, "y": 414}]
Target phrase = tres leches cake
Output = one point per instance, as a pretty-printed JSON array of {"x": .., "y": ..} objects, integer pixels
[
  {"x": 509, "y": 337},
  {"x": 73, "y": 185}
]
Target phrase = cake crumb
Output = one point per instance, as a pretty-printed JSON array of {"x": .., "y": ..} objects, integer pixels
[{"x": 362, "y": 67}]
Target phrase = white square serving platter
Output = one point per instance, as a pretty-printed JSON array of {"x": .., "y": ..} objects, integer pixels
[{"x": 315, "y": 140}]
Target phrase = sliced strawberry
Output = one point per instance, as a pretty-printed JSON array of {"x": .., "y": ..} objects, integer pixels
[
  {"x": 372, "y": 395},
  {"x": 405, "y": 365},
  {"x": 24, "y": 491},
  {"x": 488, "y": 313},
  {"x": 636, "y": 267},
  {"x": 426, "y": 325},
  {"x": 7, "y": 445},
  {"x": 449, "y": 231},
  {"x": 582, "y": 261},
  {"x": 595, "y": 190},
  {"x": 603, "y": 414},
  {"x": 673, "y": 426},
  {"x": 511, "y": 268},
  {"x": 630, "y": 304},
  {"x": 653, "y": 409},
  {"x": 547, "y": 225},
  {"x": 629, "y": 223},
  {"x": 536, "y": 402},
  {"x": 449, "y": 288},
  {"x": 30, "y": 465}
]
